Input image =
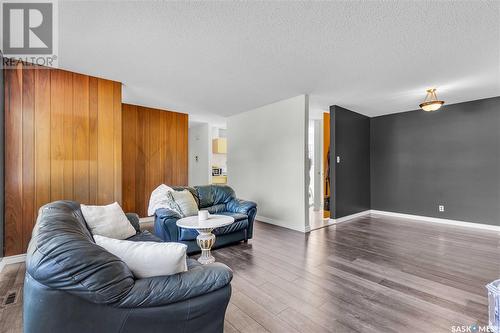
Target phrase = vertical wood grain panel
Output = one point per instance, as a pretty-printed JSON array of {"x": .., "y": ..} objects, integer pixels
[
  {"x": 142, "y": 152},
  {"x": 182, "y": 149},
  {"x": 28, "y": 138},
  {"x": 163, "y": 144},
  {"x": 105, "y": 144},
  {"x": 68, "y": 174},
  {"x": 81, "y": 128},
  {"x": 57, "y": 141},
  {"x": 154, "y": 153},
  {"x": 129, "y": 118},
  {"x": 154, "y": 177},
  {"x": 170, "y": 148},
  {"x": 117, "y": 141},
  {"x": 93, "y": 139},
  {"x": 13, "y": 161},
  {"x": 63, "y": 141},
  {"x": 42, "y": 138}
]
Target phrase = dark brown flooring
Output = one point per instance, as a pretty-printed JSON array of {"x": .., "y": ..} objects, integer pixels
[{"x": 374, "y": 274}]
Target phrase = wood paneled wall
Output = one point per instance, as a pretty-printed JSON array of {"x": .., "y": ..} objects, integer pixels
[
  {"x": 155, "y": 151},
  {"x": 63, "y": 140}
]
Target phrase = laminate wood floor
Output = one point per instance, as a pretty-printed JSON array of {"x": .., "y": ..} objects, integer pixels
[{"x": 373, "y": 274}]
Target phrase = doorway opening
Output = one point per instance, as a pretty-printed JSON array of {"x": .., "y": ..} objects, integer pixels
[{"x": 319, "y": 180}]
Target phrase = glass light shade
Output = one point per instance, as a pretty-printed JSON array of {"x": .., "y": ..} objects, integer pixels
[
  {"x": 431, "y": 106},
  {"x": 431, "y": 102}
]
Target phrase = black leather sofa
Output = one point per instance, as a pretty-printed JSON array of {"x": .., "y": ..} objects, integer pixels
[
  {"x": 73, "y": 285},
  {"x": 217, "y": 199}
]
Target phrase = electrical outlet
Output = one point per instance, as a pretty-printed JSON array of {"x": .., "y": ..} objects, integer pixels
[
  {"x": 338, "y": 159},
  {"x": 441, "y": 208}
]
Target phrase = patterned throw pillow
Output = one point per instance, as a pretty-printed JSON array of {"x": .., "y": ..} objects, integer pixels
[
  {"x": 159, "y": 199},
  {"x": 172, "y": 205},
  {"x": 185, "y": 202}
]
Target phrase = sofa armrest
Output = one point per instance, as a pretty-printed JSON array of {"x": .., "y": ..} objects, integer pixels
[
  {"x": 240, "y": 206},
  {"x": 248, "y": 208},
  {"x": 134, "y": 220},
  {"x": 162, "y": 290},
  {"x": 165, "y": 225}
]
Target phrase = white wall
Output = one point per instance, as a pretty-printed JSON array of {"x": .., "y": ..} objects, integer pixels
[
  {"x": 200, "y": 144},
  {"x": 267, "y": 160}
]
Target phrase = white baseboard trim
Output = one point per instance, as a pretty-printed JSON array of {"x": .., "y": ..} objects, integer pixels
[
  {"x": 438, "y": 220},
  {"x": 280, "y": 223},
  {"x": 350, "y": 217},
  {"x": 12, "y": 260}
]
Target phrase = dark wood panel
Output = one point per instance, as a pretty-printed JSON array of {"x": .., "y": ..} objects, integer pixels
[
  {"x": 105, "y": 143},
  {"x": 28, "y": 142},
  {"x": 117, "y": 142},
  {"x": 171, "y": 150},
  {"x": 13, "y": 238},
  {"x": 93, "y": 140},
  {"x": 42, "y": 138},
  {"x": 57, "y": 139},
  {"x": 129, "y": 119},
  {"x": 56, "y": 124},
  {"x": 81, "y": 155},
  {"x": 154, "y": 149}
]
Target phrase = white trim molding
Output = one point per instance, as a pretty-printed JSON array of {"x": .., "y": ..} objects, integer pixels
[
  {"x": 349, "y": 217},
  {"x": 281, "y": 223},
  {"x": 12, "y": 260},
  {"x": 438, "y": 220}
]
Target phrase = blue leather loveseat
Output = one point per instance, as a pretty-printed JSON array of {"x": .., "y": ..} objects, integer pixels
[
  {"x": 217, "y": 199},
  {"x": 74, "y": 285}
]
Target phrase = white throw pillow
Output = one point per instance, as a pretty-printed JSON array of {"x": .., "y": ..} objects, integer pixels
[
  {"x": 158, "y": 199},
  {"x": 147, "y": 259},
  {"x": 109, "y": 221},
  {"x": 185, "y": 200}
]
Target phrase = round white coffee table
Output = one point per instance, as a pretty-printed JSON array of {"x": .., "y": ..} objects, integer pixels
[{"x": 205, "y": 239}]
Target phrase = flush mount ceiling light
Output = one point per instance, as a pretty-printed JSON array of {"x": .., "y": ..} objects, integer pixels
[{"x": 431, "y": 102}]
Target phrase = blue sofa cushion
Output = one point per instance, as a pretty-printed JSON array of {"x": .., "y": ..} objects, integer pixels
[
  {"x": 233, "y": 227},
  {"x": 240, "y": 222},
  {"x": 236, "y": 216},
  {"x": 211, "y": 195},
  {"x": 187, "y": 234}
]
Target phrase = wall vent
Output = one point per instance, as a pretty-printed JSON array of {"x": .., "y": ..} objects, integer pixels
[{"x": 11, "y": 298}]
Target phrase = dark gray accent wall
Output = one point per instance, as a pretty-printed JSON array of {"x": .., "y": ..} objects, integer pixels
[
  {"x": 420, "y": 160},
  {"x": 350, "y": 140},
  {"x": 2, "y": 164}
]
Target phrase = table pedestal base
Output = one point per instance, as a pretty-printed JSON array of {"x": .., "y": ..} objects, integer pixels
[{"x": 205, "y": 241}]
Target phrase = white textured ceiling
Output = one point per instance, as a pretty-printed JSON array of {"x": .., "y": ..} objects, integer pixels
[{"x": 220, "y": 58}]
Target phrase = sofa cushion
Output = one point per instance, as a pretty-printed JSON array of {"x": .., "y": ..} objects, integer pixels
[
  {"x": 216, "y": 209},
  {"x": 240, "y": 222},
  {"x": 62, "y": 255},
  {"x": 193, "y": 191},
  {"x": 147, "y": 259},
  {"x": 236, "y": 216},
  {"x": 187, "y": 234},
  {"x": 233, "y": 227},
  {"x": 108, "y": 221},
  {"x": 185, "y": 200},
  {"x": 210, "y": 195}
]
